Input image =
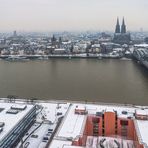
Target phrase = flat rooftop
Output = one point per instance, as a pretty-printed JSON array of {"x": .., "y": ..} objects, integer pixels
[
  {"x": 142, "y": 130},
  {"x": 60, "y": 143},
  {"x": 11, "y": 120},
  {"x": 72, "y": 125},
  {"x": 93, "y": 108},
  {"x": 72, "y": 146},
  {"x": 143, "y": 112},
  {"x": 50, "y": 110}
]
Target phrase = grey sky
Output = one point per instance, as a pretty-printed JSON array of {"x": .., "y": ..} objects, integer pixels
[{"x": 56, "y": 15}]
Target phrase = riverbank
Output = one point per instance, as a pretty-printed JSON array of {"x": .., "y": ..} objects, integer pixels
[{"x": 69, "y": 56}]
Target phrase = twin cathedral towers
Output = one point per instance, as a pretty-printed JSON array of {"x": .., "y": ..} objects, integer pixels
[
  {"x": 123, "y": 27},
  {"x": 120, "y": 35}
]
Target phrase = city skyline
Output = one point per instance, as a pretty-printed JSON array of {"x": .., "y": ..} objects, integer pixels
[{"x": 72, "y": 15}]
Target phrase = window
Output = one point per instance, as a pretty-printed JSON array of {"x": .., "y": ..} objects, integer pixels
[
  {"x": 124, "y": 122},
  {"x": 1, "y": 109}
]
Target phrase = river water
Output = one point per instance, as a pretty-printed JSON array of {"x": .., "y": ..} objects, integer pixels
[{"x": 108, "y": 80}]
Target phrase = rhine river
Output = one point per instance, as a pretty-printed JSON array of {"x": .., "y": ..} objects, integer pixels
[{"x": 112, "y": 81}]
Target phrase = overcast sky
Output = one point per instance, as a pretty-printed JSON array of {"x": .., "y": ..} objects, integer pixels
[{"x": 66, "y": 15}]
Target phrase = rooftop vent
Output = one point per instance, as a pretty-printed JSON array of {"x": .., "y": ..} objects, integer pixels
[
  {"x": 12, "y": 111},
  {"x": 124, "y": 112},
  {"x": 80, "y": 110},
  {"x": 141, "y": 114},
  {"x": 1, "y": 109},
  {"x": 19, "y": 107}
]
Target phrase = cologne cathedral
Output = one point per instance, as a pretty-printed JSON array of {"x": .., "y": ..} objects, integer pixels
[{"x": 120, "y": 35}]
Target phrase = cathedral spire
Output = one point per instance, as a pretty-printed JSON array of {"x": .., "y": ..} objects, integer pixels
[
  {"x": 117, "y": 29},
  {"x": 123, "y": 27},
  {"x": 123, "y": 23},
  {"x": 117, "y": 21}
]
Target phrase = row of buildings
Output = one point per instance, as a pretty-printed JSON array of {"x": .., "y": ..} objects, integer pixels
[
  {"x": 104, "y": 126},
  {"x": 70, "y": 43},
  {"x": 52, "y": 124}
]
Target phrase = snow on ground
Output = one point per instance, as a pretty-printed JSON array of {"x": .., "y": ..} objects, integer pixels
[
  {"x": 72, "y": 124},
  {"x": 41, "y": 132},
  {"x": 50, "y": 111}
]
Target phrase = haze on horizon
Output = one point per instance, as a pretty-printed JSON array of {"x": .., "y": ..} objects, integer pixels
[{"x": 72, "y": 15}]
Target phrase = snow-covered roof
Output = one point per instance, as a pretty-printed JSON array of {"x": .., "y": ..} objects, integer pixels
[
  {"x": 96, "y": 45},
  {"x": 141, "y": 127},
  {"x": 127, "y": 52},
  {"x": 110, "y": 110},
  {"x": 141, "y": 45},
  {"x": 14, "y": 119},
  {"x": 72, "y": 146},
  {"x": 68, "y": 42},
  {"x": 19, "y": 106},
  {"x": 72, "y": 124},
  {"x": 92, "y": 109},
  {"x": 59, "y": 143},
  {"x": 80, "y": 107},
  {"x": 142, "y": 112},
  {"x": 50, "y": 111},
  {"x": 60, "y": 49}
]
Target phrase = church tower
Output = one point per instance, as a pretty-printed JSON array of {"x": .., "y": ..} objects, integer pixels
[
  {"x": 117, "y": 30},
  {"x": 123, "y": 27},
  {"x": 120, "y": 35}
]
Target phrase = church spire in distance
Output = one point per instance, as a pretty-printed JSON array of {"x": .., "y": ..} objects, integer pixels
[
  {"x": 117, "y": 30},
  {"x": 123, "y": 27}
]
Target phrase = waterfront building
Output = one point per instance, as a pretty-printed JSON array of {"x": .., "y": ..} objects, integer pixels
[
  {"x": 15, "y": 119},
  {"x": 93, "y": 126},
  {"x": 71, "y": 125},
  {"x": 106, "y": 47}
]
